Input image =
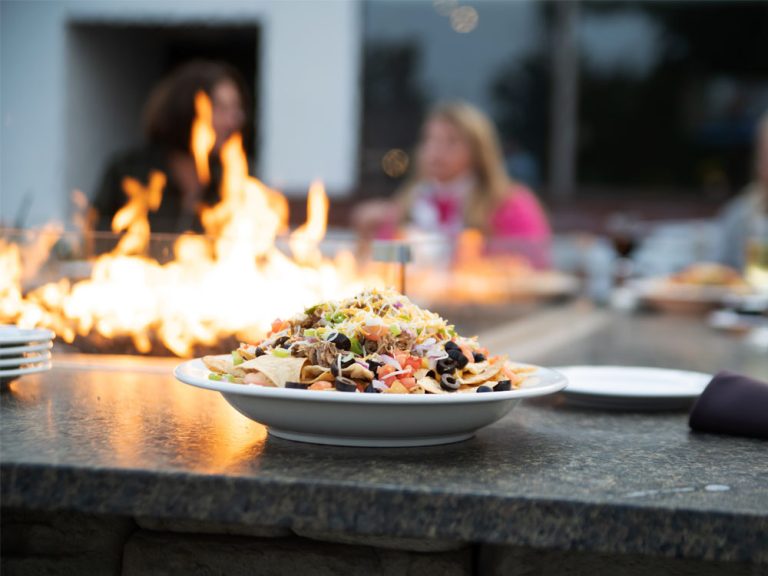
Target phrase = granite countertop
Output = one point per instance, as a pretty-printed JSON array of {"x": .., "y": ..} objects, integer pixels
[{"x": 123, "y": 437}]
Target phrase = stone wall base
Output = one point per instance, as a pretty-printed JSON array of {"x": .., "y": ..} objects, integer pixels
[{"x": 66, "y": 543}]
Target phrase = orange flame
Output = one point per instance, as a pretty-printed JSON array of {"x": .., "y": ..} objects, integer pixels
[
  {"x": 132, "y": 217},
  {"x": 306, "y": 238},
  {"x": 203, "y": 137}
]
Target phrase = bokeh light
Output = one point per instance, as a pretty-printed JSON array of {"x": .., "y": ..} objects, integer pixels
[
  {"x": 395, "y": 163},
  {"x": 464, "y": 19}
]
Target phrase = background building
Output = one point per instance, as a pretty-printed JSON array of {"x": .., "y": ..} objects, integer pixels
[{"x": 598, "y": 103}]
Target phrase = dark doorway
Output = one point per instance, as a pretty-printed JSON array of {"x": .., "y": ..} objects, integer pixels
[{"x": 111, "y": 69}]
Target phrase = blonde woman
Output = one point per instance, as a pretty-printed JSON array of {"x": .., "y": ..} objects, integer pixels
[{"x": 459, "y": 182}]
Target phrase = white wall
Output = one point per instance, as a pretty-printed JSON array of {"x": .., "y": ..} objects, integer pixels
[{"x": 309, "y": 115}]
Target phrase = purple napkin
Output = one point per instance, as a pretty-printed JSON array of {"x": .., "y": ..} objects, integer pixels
[{"x": 732, "y": 404}]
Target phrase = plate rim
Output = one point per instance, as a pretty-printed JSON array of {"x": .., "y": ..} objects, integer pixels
[
  {"x": 6, "y": 361},
  {"x": 180, "y": 372},
  {"x": 25, "y": 335},
  {"x": 630, "y": 396},
  {"x": 13, "y": 350},
  {"x": 22, "y": 371}
]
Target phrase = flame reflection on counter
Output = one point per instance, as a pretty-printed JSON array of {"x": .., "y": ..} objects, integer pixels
[{"x": 126, "y": 408}]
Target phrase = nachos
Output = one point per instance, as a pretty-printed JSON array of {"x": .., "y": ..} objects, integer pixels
[{"x": 375, "y": 342}]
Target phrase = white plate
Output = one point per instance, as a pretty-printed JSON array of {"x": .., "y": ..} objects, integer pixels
[
  {"x": 354, "y": 419},
  {"x": 10, "y": 334},
  {"x": 666, "y": 295},
  {"x": 17, "y": 350},
  {"x": 632, "y": 388},
  {"x": 23, "y": 371},
  {"x": 19, "y": 360}
]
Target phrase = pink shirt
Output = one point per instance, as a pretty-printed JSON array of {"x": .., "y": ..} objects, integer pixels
[
  {"x": 519, "y": 224},
  {"x": 520, "y": 217}
]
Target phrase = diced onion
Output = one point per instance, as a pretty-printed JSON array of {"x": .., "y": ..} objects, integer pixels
[
  {"x": 390, "y": 361},
  {"x": 379, "y": 385},
  {"x": 398, "y": 372}
]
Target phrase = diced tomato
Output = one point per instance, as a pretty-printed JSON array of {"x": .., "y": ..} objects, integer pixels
[
  {"x": 374, "y": 332},
  {"x": 279, "y": 325},
  {"x": 467, "y": 351},
  {"x": 407, "y": 361},
  {"x": 411, "y": 362},
  {"x": 408, "y": 382},
  {"x": 321, "y": 385},
  {"x": 384, "y": 370}
]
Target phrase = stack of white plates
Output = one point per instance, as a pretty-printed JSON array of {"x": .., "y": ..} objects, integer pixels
[{"x": 24, "y": 351}]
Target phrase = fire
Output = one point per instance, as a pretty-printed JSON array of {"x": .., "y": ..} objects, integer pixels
[
  {"x": 203, "y": 136},
  {"x": 305, "y": 239},
  {"x": 232, "y": 281},
  {"x": 132, "y": 218}
]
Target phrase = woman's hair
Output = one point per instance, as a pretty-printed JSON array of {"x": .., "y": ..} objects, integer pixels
[
  {"x": 170, "y": 109},
  {"x": 492, "y": 184}
]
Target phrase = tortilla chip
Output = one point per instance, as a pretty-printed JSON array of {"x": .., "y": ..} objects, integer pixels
[
  {"x": 218, "y": 364},
  {"x": 490, "y": 384},
  {"x": 477, "y": 367},
  {"x": 430, "y": 385},
  {"x": 420, "y": 373},
  {"x": 279, "y": 370},
  {"x": 489, "y": 372},
  {"x": 357, "y": 372},
  {"x": 313, "y": 373},
  {"x": 245, "y": 355},
  {"x": 519, "y": 369},
  {"x": 323, "y": 377}
]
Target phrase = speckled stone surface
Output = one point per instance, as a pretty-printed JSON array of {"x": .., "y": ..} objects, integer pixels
[{"x": 139, "y": 443}]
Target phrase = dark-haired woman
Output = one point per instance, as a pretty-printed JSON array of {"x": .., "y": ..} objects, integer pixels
[{"x": 168, "y": 116}]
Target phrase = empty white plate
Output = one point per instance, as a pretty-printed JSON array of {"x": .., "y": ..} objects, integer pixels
[
  {"x": 19, "y": 350},
  {"x": 632, "y": 388},
  {"x": 10, "y": 335},
  {"x": 354, "y": 419},
  {"x": 20, "y": 360}
]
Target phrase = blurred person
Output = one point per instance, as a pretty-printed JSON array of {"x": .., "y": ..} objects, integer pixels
[
  {"x": 168, "y": 116},
  {"x": 749, "y": 210},
  {"x": 460, "y": 181}
]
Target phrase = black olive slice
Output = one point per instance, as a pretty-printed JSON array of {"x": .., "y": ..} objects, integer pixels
[
  {"x": 344, "y": 384},
  {"x": 503, "y": 386}
]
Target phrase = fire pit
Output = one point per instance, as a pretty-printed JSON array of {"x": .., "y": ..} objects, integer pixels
[{"x": 176, "y": 298}]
